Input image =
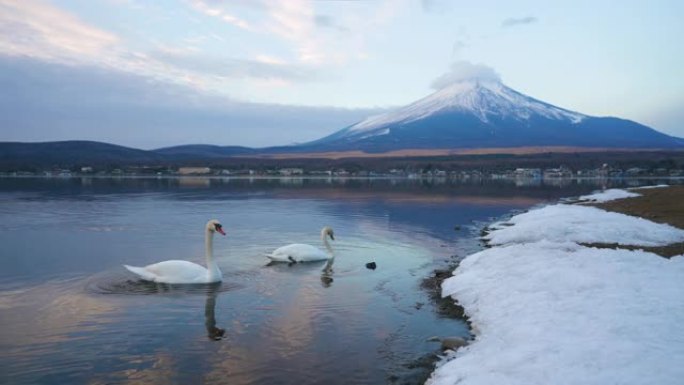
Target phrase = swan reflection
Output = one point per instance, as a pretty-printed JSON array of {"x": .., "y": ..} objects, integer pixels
[
  {"x": 327, "y": 273},
  {"x": 214, "y": 332}
]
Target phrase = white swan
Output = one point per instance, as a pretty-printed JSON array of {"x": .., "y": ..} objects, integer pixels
[
  {"x": 176, "y": 271},
  {"x": 298, "y": 252}
]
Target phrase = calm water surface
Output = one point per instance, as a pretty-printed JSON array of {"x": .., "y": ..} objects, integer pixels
[{"x": 70, "y": 313}]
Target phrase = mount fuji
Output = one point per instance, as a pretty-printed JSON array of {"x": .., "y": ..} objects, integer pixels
[{"x": 487, "y": 114}]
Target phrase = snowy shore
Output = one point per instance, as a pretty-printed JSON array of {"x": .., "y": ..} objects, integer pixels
[{"x": 547, "y": 310}]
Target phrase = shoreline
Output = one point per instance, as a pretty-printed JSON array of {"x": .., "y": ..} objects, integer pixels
[
  {"x": 662, "y": 205},
  {"x": 309, "y": 176},
  {"x": 666, "y": 206}
]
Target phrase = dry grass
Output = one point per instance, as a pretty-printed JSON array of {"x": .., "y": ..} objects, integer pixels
[
  {"x": 444, "y": 152},
  {"x": 661, "y": 205}
]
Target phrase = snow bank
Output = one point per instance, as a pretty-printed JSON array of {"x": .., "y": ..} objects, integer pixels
[
  {"x": 608, "y": 195},
  {"x": 560, "y": 313},
  {"x": 546, "y": 310},
  {"x": 582, "y": 224},
  {"x": 650, "y": 187}
]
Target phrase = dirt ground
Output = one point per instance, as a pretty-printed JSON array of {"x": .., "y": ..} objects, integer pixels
[{"x": 661, "y": 205}]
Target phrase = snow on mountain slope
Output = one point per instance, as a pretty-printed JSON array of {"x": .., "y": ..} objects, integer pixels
[
  {"x": 484, "y": 113},
  {"x": 484, "y": 99}
]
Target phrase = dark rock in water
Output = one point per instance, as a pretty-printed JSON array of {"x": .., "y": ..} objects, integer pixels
[
  {"x": 371, "y": 265},
  {"x": 419, "y": 305},
  {"x": 451, "y": 343},
  {"x": 457, "y": 227}
]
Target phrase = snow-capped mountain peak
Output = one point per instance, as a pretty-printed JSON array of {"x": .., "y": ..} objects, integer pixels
[
  {"x": 482, "y": 98},
  {"x": 486, "y": 113}
]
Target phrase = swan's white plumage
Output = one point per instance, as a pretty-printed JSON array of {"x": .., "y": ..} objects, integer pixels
[
  {"x": 177, "y": 271},
  {"x": 299, "y": 252},
  {"x": 173, "y": 271}
]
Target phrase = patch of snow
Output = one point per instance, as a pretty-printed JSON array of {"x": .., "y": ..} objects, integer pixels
[
  {"x": 608, "y": 195},
  {"x": 560, "y": 313},
  {"x": 582, "y": 224},
  {"x": 384, "y": 131},
  {"x": 484, "y": 99},
  {"x": 546, "y": 310},
  {"x": 650, "y": 187}
]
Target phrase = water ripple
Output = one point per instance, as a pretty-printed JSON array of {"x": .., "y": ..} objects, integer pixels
[{"x": 122, "y": 284}]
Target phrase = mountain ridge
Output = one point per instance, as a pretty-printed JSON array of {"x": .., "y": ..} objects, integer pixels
[{"x": 486, "y": 113}]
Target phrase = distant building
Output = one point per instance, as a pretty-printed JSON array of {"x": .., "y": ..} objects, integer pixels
[
  {"x": 528, "y": 173},
  {"x": 562, "y": 172},
  {"x": 194, "y": 170},
  {"x": 320, "y": 172},
  {"x": 86, "y": 169},
  {"x": 290, "y": 171},
  {"x": 635, "y": 171}
]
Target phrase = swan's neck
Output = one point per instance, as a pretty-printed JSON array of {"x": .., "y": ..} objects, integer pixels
[
  {"x": 212, "y": 267},
  {"x": 324, "y": 238}
]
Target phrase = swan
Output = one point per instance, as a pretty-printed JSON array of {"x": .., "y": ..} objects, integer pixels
[
  {"x": 176, "y": 271},
  {"x": 298, "y": 252}
]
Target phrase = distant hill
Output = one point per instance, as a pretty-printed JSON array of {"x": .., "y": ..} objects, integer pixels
[
  {"x": 44, "y": 156},
  {"x": 203, "y": 151},
  {"x": 69, "y": 153},
  {"x": 487, "y": 114}
]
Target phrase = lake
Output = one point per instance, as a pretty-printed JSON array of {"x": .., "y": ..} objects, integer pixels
[{"x": 70, "y": 313}]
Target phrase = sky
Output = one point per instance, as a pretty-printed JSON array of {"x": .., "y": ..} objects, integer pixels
[{"x": 151, "y": 74}]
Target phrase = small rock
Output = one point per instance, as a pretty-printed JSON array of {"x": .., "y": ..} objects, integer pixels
[
  {"x": 457, "y": 227},
  {"x": 371, "y": 265},
  {"x": 419, "y": 305},
  {"x": 451, "y": 343}
]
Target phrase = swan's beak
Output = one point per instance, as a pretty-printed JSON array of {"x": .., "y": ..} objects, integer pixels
[
  {"x": 220, "y": 230},
  {"x": 332, "y": 237}
]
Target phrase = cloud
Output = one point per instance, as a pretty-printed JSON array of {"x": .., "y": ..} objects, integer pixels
[
  {"x": 211, "y": 9},
  {"x": 45, "y": 101},
  {"x": 39, "y": 30},
  {"x": 264, "y": 67},
  {"x": 434, "y": 5},
  {"x": 515, "y": 21},
  {"x": 461, "y": 42},
  {"x": 462, "y": 71},
  {"x": 293, "y": 20},
  {"x": 312, "y": 38}
]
